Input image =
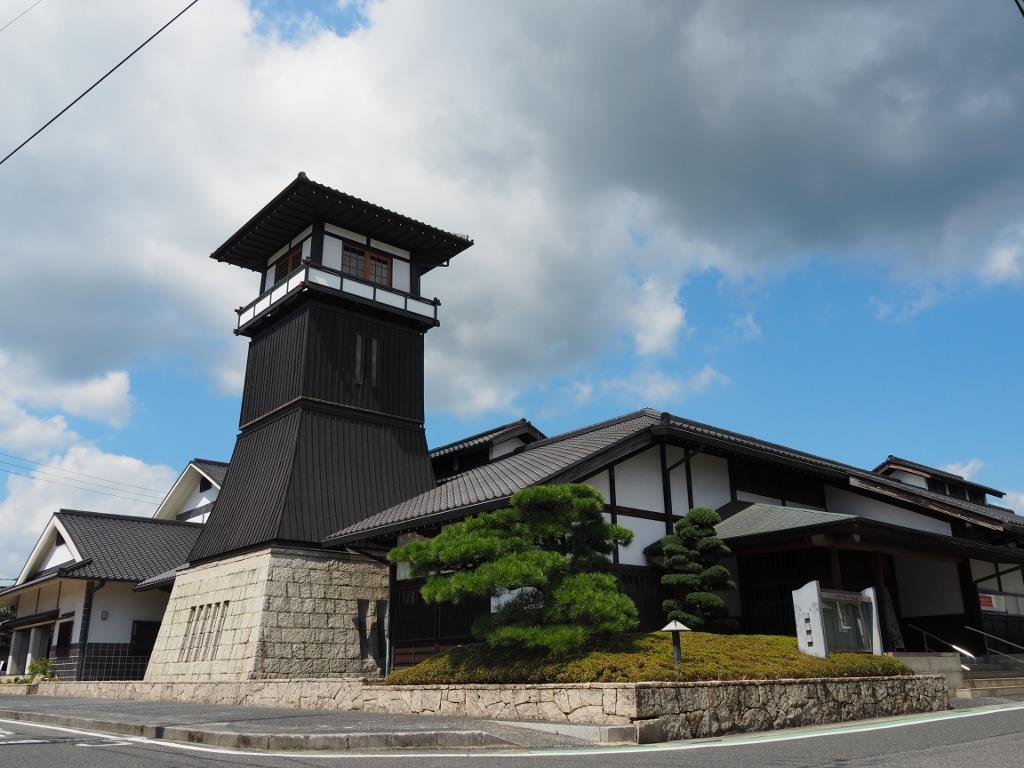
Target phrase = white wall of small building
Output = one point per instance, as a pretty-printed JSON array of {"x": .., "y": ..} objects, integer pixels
[
  {"x": 123, "y": 605},
  {"x": 909, "y": 478}
]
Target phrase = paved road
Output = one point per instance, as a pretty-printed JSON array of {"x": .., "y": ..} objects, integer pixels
[{"x": 982, "y": 739}]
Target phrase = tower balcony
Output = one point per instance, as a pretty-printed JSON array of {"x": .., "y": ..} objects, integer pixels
[{"x": 316, "y": 277}]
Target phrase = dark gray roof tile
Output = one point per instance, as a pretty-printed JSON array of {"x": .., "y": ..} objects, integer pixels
[{"x": 125, "y": 548}]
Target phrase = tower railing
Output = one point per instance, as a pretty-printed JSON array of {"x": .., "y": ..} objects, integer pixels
[{"x": 318, "y": 277}]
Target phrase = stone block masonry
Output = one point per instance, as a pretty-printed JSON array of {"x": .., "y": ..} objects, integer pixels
[
  {"x": 273, "y": 613},
  {"x": 658, "y": 711}
]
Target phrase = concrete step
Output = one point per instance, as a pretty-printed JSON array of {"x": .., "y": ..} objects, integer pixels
[
  {"x": 994, "y": 682},
  {"x": 985, "y": 693}
]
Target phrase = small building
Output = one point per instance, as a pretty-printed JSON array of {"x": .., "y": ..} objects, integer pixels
[{"x": 78, "y": 601}]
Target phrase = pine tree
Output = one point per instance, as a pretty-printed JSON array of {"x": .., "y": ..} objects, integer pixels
[
  {"x": 693, "y": 555},
  {"x": 546, "y": 555}
]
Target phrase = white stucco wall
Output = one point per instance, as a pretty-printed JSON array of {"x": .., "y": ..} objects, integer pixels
[
  {"x": 400, "y": 275},
  {"x": 505, "y": 447},
  {"x": 909, "y": 478},
  {"x": 123, "y": 606},
  {"x": 57, "y": 556},
  {"x": 1012, "y": 583},
  {"x": 198, "y": 499},
  {"x": 677, "y": 481},
  {"x": 600, "y": 482},
  {"x": 638, "y": 482},
  {"x": 645, "y": 533},
  {"x": 710, "y": 480},
  {"x": 928, "y": 587},
  {"x": 847, "y": 503}
]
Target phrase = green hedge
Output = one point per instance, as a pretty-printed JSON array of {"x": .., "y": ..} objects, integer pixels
[{"x": 648, "y": 658}]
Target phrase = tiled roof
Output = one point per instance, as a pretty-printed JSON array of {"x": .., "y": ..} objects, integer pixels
[
  {"x": 758, "y": 519},
  {"x": 215, "y": 470},
  {"x": 895, "y": 462},
  {"x": 490, "y": 436},
  {"x": 725, "y": 436},
  {"x": 554, "y": 456},
  {"x": 125, "y": 548},
  {"x": 496, "y": 481}
]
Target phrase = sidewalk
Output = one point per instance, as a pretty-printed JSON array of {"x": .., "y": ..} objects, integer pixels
[{"x": 286, "y": 729}]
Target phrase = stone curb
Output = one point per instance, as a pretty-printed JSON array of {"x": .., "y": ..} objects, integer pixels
[{"x": 334, "y": 742}]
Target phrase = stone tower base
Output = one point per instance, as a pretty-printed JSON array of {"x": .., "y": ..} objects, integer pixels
[{"x": 277, "y": 612}]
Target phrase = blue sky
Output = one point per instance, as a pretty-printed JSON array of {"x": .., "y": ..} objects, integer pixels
[{"x": 796, "y": 220}]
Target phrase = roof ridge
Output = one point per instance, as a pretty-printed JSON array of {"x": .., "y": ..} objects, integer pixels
[
  {"x": 209, "y": 461},
  {"x": 769, "y": 443},
  {"x": 937, "y": 471},
  {"x": 649, "y": 412},
  {"x": 114, "y": 516},
  {"x": 491, "y": 431}
]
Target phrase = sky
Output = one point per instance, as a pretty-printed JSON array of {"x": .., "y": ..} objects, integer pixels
[{"x": 797, "y": 220}]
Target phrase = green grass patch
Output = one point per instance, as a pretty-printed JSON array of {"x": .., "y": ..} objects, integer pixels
[{"x": 640, "y": 658}]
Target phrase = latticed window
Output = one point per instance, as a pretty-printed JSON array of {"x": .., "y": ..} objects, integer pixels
[
  {"x": 379, "y": 271},
  {"x": 366, "y": 266},
  {"x": 353, "y": 261}
]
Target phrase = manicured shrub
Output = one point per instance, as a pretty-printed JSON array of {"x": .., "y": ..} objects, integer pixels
[
  {"x": 546, "y": 556},
  {"x": 693, "y": 555}
]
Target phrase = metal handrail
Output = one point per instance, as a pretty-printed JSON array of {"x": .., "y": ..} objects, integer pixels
[
  {"x": 926, "y": 634},
  {"x": 989, "y": 651}
]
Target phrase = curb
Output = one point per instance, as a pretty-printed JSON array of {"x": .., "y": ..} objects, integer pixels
[
  {"x": 334, "y": 742},
  {"x": 599, "y": 734}
]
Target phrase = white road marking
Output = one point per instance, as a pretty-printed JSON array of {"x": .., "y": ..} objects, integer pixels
[
  {"x": 23, "y": 741},
  {"x": 677, "y": 746}
]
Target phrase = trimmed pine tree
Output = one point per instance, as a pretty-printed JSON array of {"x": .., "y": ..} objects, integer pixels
[
  {"x": 546, "y": 557},
  {"x": 693, "y": 555}
]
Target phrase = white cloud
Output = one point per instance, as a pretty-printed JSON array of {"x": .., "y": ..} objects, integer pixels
[
  {"x": 1004, "y": 265},
  {"x": 906, "y": 307},
  {"x": 745, "y": 327},
  {"x": 659, "y": 390},
  {"x": 27, "y": 435},
  {"x": 1014, "y": 500},
  {"x": 30, "y": 501},
  {"x": 967, "y": 469},
  {"x": 582, "y": 392},
  {"x": 593, "y": 189},
  {"x": 657, "y": 318}
]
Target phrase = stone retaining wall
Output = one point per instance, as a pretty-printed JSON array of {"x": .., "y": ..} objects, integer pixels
[{"x": 660, "y": 711}]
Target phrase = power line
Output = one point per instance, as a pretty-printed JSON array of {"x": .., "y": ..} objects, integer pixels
[
  {"x": 111, "y": 71},
  {"x": 5, "y": 26},
  {"x": 102, "y": 486},
  {"x": 147, "y": 502},
  {"x": 23, "y": 460}
]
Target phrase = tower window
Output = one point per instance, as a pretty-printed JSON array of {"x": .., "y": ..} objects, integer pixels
[
  {"x": 366, "y": 361},
  {"x": 364, "y": 265},
  {"x": 287, "y": 264}
]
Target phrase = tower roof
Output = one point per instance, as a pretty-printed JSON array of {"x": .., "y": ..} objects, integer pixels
[{"x": 304, "y": 202}]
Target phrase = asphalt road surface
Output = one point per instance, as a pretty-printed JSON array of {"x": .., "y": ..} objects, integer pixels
[{"x": 978, "y": 738}]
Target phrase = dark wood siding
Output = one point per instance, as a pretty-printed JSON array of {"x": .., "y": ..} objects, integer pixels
[
  {"x": 273, "y": 373},
  {"x": 248, "y": 508},
  {"x": 347, "y": 469},
  {"x": 330, "y": 365}
]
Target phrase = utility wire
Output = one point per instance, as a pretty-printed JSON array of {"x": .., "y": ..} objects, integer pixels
[
  {"x": 111, "y": 71},
  {"x": 1020, "y": 6},
  {"x": 23, "y": 460},
  {"x": 102, "y": 486},
  {"x": 148, "y": 502},
  {"x": 5, "y": 26}
]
